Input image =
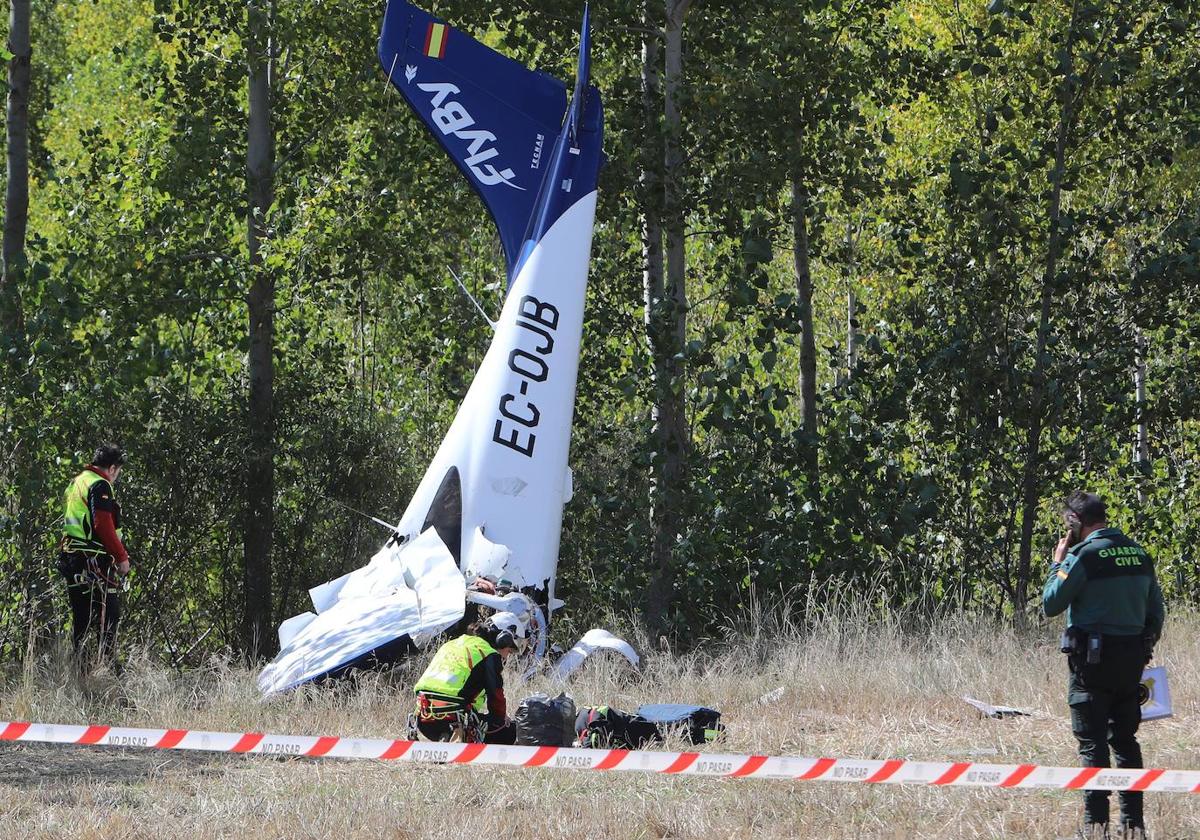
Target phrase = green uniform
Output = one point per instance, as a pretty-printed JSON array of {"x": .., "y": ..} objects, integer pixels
[{"x": 1107, "y": 586}]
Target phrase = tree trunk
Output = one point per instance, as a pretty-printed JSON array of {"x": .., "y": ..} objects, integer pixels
[
  {"x": 653, "y": 282},
  {"x": 257, "y": 635},
  {"x": 851, "y": 333},
  {"x": 851, "y": 303},
  {"x": 1031, "y": 483},
  {"x": 1141, "y": 451},
  {"x": 808, "y": 344},
  {"x": 16, "y": 199},
  {"x": 29, "y": 482},
  {"x": 666, "y": 310}
]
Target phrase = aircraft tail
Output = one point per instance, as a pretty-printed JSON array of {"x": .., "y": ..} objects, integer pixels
[
  {"x": 491, "y": 502},
  {"x": 496, "y": 119}
]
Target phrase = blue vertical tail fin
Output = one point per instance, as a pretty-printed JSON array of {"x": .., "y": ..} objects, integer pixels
[
  {"x": 577, "y": 156},
  {"x": 497, "y": 120}
]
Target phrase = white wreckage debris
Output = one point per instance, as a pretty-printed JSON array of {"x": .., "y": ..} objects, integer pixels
[
  {"x": 592, "y": 641},
  {"x": 988, "y": 710},
  {"x": 405, "y": 597},
  {"x": 773, "y": 696},
  {"x": 411, "y": 592},
  {"x": 502, "y": 465}
]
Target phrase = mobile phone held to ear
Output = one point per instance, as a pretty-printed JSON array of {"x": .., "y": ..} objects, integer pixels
[{"x": 1074, "y": 526}]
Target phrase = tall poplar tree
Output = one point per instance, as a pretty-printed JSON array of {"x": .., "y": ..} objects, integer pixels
[
  {"x": 257, "y": 627},
  {"x": 665, "y": 273},
  {"x": 16, "y": 199}
]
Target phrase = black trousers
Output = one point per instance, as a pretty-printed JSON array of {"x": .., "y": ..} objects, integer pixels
[
  {"x": 92, "y": 605},
  {"x": 1106, "y": 712},
  {"x": 443, "y": 730}
]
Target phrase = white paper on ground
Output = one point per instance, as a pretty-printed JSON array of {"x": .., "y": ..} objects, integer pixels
[
  {"x": 415, "y": 590},
  {"x": 1156, "y": 694},
  {"x": 773, "y": 696},
  {"x": 994, "y": 711},
  {"x": 593, "y": 640}
]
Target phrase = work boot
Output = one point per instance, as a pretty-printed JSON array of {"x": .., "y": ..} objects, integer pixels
[{"x": 1129, "y": 832}]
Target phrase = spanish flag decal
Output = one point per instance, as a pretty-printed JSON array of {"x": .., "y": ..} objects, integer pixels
[{"x": 435, "y": 40}]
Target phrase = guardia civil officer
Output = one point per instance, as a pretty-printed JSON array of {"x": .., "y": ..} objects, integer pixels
[
  {"x": 1106, "y": 583},
  {"x": 93, "y": 560}
]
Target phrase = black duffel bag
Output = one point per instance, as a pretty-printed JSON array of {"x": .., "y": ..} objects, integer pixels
[
  {"x": 605, "y": 727},
  {"x": 545, "y": 722},
  {"x": 696, "y": 724}
]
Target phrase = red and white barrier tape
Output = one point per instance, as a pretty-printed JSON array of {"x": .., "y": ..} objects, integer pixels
[{"x": 892, "y": 771}]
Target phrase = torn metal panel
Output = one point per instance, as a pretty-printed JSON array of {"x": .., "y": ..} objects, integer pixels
[
  {"x": 592, "y": 641},
  {"x": 988, "y": 710},
  {"x": 484, "y": 558},
  {"x": 415, "y": 590}
]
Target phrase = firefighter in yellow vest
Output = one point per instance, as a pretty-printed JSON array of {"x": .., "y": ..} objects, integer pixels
[
  {"x": 461, "y": 694},
  {"x": 93, "y": 561}
]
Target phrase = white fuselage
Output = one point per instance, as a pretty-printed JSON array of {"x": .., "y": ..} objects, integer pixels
[{"x": 511, "y": 437}]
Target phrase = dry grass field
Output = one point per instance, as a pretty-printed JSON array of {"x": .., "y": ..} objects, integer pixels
[{"x": 854, "y": 686}]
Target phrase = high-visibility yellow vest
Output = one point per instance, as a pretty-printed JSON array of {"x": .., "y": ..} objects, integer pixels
[
  {"x": 78, "y": 527},
  {"x": 451, "y": 665}
]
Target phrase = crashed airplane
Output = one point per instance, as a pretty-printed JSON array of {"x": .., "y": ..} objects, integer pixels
[{"x": 490, "y": 505}]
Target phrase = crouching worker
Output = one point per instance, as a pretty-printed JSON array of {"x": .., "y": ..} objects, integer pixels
[{"x": 460, "y": 697}]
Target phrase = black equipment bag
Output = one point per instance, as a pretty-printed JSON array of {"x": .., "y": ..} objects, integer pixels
[
  {"x": 703, "y": 726},
  {"x": 545, "y": 722},
  {"x": 604, "y": 726},
  {"x": 697, "y": 724}
]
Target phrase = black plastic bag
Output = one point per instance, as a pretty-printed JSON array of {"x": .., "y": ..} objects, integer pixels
[{"x": 545, "y": 722}]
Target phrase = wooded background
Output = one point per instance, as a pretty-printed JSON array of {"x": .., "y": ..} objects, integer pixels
[{"x": 874, "y": 284}]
